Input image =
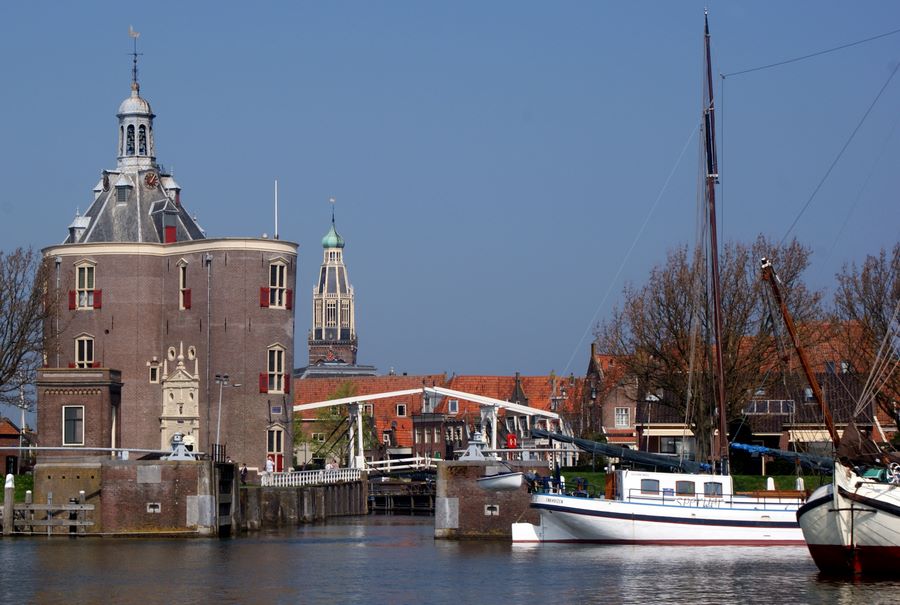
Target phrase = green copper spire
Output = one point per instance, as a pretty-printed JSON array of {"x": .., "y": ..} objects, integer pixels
[{"x": 332, "y": 239}]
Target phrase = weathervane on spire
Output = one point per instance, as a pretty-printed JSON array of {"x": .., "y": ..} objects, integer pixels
[{"x": 134, "y": 70}]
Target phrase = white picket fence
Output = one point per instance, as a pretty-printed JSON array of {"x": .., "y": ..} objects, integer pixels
[{"x": 301, "y": 478}]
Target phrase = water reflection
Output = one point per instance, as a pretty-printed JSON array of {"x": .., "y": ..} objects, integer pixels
[{"x": 395, "y": 560}]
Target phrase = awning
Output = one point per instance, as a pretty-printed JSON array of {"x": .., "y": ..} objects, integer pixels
[
  {"x": 810, "y": 435},
  {"x": 667, "y": 433}
]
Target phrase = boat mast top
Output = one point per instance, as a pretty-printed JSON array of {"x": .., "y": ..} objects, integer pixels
[{"x": 712, "y": 177}]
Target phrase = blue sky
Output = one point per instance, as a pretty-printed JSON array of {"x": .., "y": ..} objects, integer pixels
[{"x": 493, "y": 162}]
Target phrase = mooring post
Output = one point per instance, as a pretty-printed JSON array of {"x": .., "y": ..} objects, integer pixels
[
  {"x": 82, "y": 512},
  {"x": 9, "y": 496},
  {"x": 29, "y": 513}
]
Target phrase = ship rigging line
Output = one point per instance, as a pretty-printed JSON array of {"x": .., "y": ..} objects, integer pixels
[
  {"x": 631, "y": 248},
  {"x": 839, "y": 155},
  {"x": 811, "y": 55}
]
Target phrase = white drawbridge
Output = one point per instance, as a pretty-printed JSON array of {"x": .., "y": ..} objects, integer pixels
[{"x": 489, "y": 408}]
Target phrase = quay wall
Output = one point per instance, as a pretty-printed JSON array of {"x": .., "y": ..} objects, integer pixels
[
  {"x": 463, "y": 510},
  {"x": 266, "y": 507},
  {"x": 133, "y": 497}
]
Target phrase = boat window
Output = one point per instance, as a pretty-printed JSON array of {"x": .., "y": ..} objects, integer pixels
[
  {"x": 712, "y": 489},
  {"x": 649, "y": 486},
  {"x": 684, "y": 488}
]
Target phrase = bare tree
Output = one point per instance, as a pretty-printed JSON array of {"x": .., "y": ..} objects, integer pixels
[
  {"x": 23, "y": 310},
  {"x": 864, "y": 306},
  {"x": 663, "y": 329}
]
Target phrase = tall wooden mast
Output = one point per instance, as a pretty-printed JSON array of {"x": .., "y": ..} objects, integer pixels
[{"x": 712, "y": 177}]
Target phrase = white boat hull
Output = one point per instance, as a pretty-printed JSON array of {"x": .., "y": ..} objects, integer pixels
[
  {"x": 687, "y": 521},
  {"x": 853, "y": 525},
  {"x": 501, "y": 481}
]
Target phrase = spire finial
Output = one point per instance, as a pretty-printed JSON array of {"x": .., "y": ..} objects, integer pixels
[
  {"x": 135, "y": 87},
  {"x": 331, "y": 201}
]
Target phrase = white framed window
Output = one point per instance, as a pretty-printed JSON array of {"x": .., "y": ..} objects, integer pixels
[
  {"x": 275, "y": 369},
  {"x": 73, "y": 425},
  {"x": 368, "y": 409},
  {"x": 623, "y": 418},
  {"x": 401, "y": 410},
  {"x": 453, "y": 406},
  {"x": 345, "y": 313},
  {"x": 85, "y": 289},
  {"x": 275, "y": 447},
  {"x": 184, "y": 293},
  {"x": 331, "y": 314},
  {"x": 84, "y": 351},
  {"x": 278, "y": 285},
  {"x": 154, "y": 373},
  {"x": 386, "y": 438},
  {"x": 320, "y": 437}
]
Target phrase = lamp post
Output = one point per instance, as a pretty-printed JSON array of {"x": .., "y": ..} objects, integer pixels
[{"x": 221, "y": 380}]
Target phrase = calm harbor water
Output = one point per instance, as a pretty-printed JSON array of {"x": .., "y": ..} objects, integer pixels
[{"x": 395, "y": 560}]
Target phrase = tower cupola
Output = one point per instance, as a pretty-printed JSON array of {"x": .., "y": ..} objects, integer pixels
[{"x": 136, "y": 147}]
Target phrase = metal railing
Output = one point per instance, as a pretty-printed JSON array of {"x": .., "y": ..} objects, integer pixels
[
  {"x": 403, "y": 464},
  {"x": 301, "y": 478}
]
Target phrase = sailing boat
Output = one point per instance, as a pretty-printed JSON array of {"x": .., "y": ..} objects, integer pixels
[
  {"x": 686, "y": 507},
  {"x": 852, "y": 525}
]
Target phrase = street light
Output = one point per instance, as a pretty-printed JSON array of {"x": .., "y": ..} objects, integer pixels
[{"x": 222, "y": 381}]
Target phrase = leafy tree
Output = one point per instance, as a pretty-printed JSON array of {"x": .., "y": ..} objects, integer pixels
[
  {"x": 865, "y": 304},
  {"x": 333, "y": 422},
  {"x": 23, "y": 312},
  {"x": 661, "y": 331}
]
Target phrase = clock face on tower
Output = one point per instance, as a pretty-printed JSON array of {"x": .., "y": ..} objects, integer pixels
[{"x": 151, "y": 180}]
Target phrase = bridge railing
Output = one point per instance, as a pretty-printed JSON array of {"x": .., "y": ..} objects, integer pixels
[
  {"x": 402, "y": 464},
  {"x": 301, "y": 478}
]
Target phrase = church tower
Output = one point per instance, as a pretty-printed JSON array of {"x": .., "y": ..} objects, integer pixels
[{"x": 333, "y": 335}]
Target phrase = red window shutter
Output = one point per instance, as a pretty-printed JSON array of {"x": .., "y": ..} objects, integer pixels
[
  {"x": 171, "y": 236},
  {"x": 96, "y": 364},
  {"x": 187, "y": 298},
  {"x": 98, "y": 298},
  {"x": 263, "y": 297},
  {"x": 72, "y": 302},
  {"x": 263, "y": 383},
  {"x": 287, "y": 383},
  {"x": 289, "y": 299}
]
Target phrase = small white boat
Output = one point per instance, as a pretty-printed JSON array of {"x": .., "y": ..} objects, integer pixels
[
  {"x": 501, "y": 481},
  {"x": 666, "y": 508}
]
